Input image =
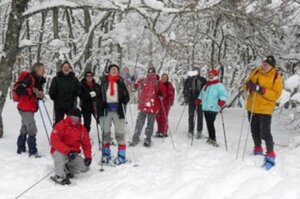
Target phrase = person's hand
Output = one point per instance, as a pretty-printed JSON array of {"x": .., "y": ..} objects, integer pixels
[
  {"x": 87, "y": 161},
  {"x": 197, "y": 102},
  {"x": 72, "y": 155},
  {"x": 221, "y": 103},
  {"x": 93, "y": 94}
]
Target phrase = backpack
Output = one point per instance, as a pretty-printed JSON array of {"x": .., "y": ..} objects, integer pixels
[
  {"x": 275, "y": 76},
  {"x": 15, "y": 97}
]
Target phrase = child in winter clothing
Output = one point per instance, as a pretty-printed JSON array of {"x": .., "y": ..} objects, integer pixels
[
  {"x": 29, "y": 90},
  {"x": 166, "y": 101},
  {"x": 64, "y": 90},
  {"x": 148, "y": 107},
  {"x": 66, "y": 139},
  {"x": 192, "y": 88},
  {"x": 212, "y": 97},
  {"x": 90, "y": 97},
  {"x": 265, "y": 86},
  {"x": 114, "y": 98}
]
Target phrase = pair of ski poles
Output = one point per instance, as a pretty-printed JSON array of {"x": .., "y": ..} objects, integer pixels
[{"x": 43, "y": 119}]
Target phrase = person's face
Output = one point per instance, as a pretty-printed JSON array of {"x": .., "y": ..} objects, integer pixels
[
  {"x": 114, "y": 71},
  {"x": 40, "y": 71},
  {"x": 164, "y": 78},
  {"x": 89, "y": 77},
  {"x": 66, "y": 69},
  {"x": 75, "y": 120},
  {"x": 266, "y": 67},
  {"x": 211, "y": 76}
]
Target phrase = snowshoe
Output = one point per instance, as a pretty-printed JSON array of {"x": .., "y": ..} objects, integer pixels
[
  {"x": 120, "y": 160},
  {"x": 166, "y": 135},
  {"x": 35, "y": 155},
  {"x": 190, "y": 135},
  {"x": 214, "y": 143},
  {"x": 147, "y": 142},
  {"x": 106, "y": 156},
  {"x": 269, "y": 161},
  {"x": 60, "y": 180},
  {"x": 159, "y": 135},
  {"x": 199, "y": 135},
  {"x": 209, "y": 141},
  {"x": 258, "y": 150},
  {"x": 133, "y": 143}
]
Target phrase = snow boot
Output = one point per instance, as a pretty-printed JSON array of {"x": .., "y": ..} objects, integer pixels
[
  {"x": 159, "y": 135},
  {"x": 209, "y": 141},
  {"x": 269, "y": 160},
  {"x": 33, "y": 152},
  {"x": 21, "y": 143},
  {"x": 258, "y": 150},
  {"x": 121, "y": 159},
  {"x": 60, "y": 180},
  {"x": 106, "y": 154},
  {"x": 214, "y": 143},
  {"x": 199, "y": 135},
  {"x": 147, "y": 142},
  {"x": 134, "y": 142}
]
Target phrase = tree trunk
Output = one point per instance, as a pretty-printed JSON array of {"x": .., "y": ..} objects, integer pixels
[
  {"x": 10, "y": 50},
  {"x": 39, "y": 48}
]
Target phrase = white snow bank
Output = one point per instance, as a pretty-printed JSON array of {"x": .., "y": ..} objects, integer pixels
[
  {"x": 292, "y": 83},
  {"x": 25, "y": 43},
  {"x": 57, "y": 43}
]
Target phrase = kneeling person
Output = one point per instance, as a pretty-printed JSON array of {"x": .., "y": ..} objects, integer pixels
[{"x": 66, "y": 138}]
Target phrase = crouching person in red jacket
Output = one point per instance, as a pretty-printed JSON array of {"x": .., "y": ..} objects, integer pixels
[{"x": 66, "y": 139}]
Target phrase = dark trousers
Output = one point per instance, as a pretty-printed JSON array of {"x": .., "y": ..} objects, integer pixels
[
  {"x": 198, "y": 110},
  {"x": 261, "y": 129},
  {"x": 87, "y": 119},
  {"x": 59, "y": 115},
  {"x": 210, "y": 118}
]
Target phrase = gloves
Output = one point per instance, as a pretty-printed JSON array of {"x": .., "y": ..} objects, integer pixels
[
  {"x": 93, "y": 94},
  {"x": 39, "y": 94},
  {"x": 132, "y": 78},
  {"x": 72, "y": 155},
  {"x": 255, "y": 87},
  {"x": 159, "y": 93},
  {"x": 87, "y": 161},
  {"x": 221, "y": 103},
  {"x": 197, "y": 102}
]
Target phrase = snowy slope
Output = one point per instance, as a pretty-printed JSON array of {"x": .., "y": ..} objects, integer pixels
[{"x": 201, "y": 171}]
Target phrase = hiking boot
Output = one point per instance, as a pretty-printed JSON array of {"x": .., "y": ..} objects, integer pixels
[
  {"x": 60, "y": 180},
  {"x": 147, "y": 142},
  {"x": 199, "y": 135}
]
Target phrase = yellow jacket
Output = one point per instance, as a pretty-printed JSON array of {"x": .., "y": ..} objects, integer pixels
[{"x": 272, "y": 82}]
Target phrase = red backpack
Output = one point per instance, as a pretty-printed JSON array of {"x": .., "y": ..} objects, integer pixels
[{"x": 15, "y": 97}]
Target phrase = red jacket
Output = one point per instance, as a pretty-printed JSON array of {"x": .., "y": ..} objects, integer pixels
[
  {"x": 167, "y": 91},
  {"x": 148, "y": 100},
  {"x": 29, "y": 102},
  {"x": 66, "y": 137}
]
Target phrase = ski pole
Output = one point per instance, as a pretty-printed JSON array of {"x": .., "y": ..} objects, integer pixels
[
  {"x": 250, "y": 122},
  {"x": 39, "y": 181},
  {"x": 167, "y": 119},
  {"x": 103, "y": 123},
  {"x": 48, "y": 115},
  {"x": 240, "y": 137},
  {"x": 131, "y": 148},
  {"x": 195, "y": 118},
  {"x": 44, "y": 124},
  {"x": 96, "y": 119},
  {"x": 223, "y": 124},
  {"x": 178, "y": 123}
]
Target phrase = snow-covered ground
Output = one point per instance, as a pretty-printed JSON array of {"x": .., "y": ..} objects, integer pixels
[{"x": 200, "y": 171}]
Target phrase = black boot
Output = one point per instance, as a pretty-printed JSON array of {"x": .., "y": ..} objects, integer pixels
[
  {"x": 31, "y": 141},
  {"x": 21, "y": 143}
]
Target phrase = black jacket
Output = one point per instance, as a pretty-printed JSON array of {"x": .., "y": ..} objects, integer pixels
[
  {"x": 190, "y": 91},
  {"x": 86, "y": 101},
  {"x": 64, "y": 91},
  {"x": 123, "y": 96},
  {"x": 27, "y": 81}
]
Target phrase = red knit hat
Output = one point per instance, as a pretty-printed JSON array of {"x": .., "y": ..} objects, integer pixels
[{"x": 214, "y": 72}]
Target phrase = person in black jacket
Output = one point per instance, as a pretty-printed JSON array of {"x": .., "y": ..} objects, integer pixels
[
  {"x": 64, "y": 90},
  {"x": 90, "y": 99},
  {"x": 114, "y": 98},
  {"x": 192, "y": 87}
]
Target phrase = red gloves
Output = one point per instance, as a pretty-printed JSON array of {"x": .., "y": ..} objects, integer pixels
[
  {"x": 197, "y": 102},
  {"x": 221, "y": 103}
]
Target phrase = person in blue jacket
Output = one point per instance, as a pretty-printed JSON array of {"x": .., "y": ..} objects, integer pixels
[{"x": 212, "y": 98}]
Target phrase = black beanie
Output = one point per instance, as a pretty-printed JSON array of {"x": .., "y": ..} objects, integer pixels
[
  {"x": 75, "y": 112},
  {"x": 113, "y": 65},
  {"x": 151, "y": 70},
  {"x": 270, "y": 60}
]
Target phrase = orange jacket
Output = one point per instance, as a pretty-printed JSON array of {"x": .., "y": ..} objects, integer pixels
[{"x": 272, "y": 82}]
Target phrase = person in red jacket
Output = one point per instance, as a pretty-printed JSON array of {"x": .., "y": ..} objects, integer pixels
[
  {"x": 166, "y": 100},
  {"x": 29, "y": 90},
  {"x": 67, "y": 139},
  {"x": 148, "y": 107}
]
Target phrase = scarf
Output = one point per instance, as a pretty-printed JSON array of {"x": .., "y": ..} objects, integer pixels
[
  {"x": 112, "y": 80},
  {"x": 90, "y": 84},
  {"x": 210, "y": 83},
  {"x": 196, "y": 85}
]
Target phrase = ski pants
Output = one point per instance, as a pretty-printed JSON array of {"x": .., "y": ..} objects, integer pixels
[
  {"x": 198, "y": 110},
  {"x": 61, "y": 164},
  {"x": 140, "y": 124},
  {"x": 162, "y": 119},
  {"x": 261, "y": 129},
  {"x": 87, "y": 119},
  {"x": 28, "y": 123},
  {"x": 210, "y": 118},
  {"x": 119, "y": 124}
]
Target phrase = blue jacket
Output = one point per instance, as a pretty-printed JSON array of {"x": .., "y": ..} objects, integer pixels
[{"x": 211, "y": 96}]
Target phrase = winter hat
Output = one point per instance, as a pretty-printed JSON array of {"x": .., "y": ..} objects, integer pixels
[
  {"x": 151, "y": 70},
  {"x": 113, "y": 65},
  {"x": 270, "y": 60},
  {"x": 88, "y": 72},
  {"x": 75, "y": 112},
  {"x": 215, "y": 72}
]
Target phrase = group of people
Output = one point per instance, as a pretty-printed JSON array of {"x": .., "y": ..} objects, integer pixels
[{"x": 107, "y": 103}]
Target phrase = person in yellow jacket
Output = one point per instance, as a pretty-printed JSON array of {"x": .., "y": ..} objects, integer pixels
[{"x": 265, "y": 86}]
